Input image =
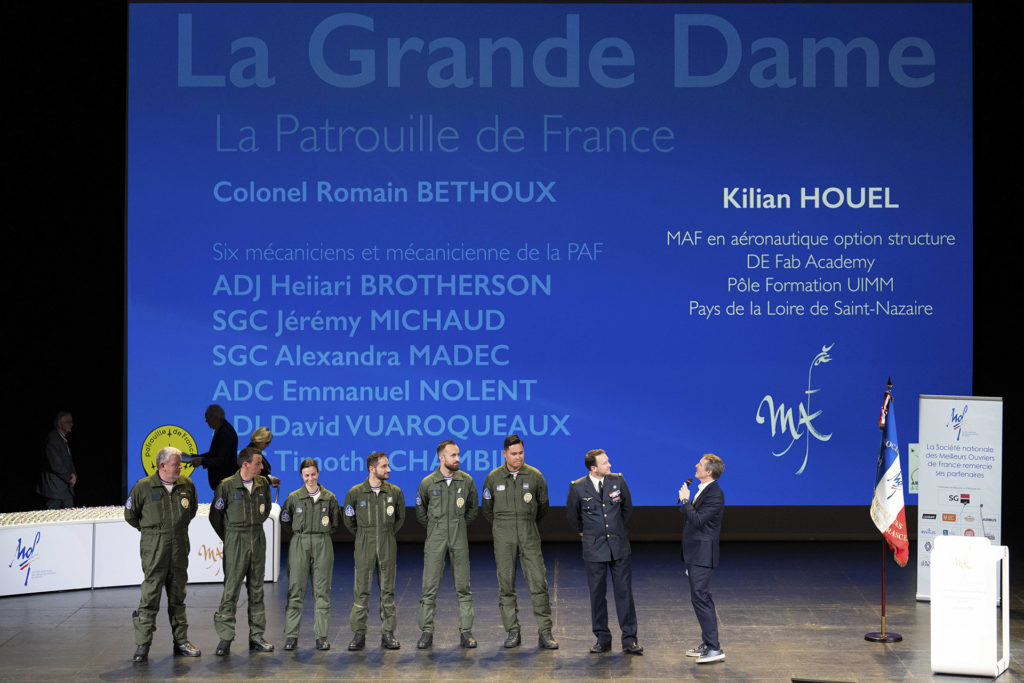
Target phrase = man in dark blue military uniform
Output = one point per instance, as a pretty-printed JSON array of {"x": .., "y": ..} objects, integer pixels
[{"x": 599, "y": 507}]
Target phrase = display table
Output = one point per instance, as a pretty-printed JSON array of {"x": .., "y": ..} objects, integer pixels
[{"x": 53, "y": 550}]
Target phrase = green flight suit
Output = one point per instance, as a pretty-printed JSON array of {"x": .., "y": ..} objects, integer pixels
[
  {"x": 446, "y": 509},
  {"x": 237, "y": 516},
  {"x": 374, "y": 518},
  {"x": 514, "y": 505},
  {"x": 163, "y": 519},
  {"x": 310, "y": 555}
]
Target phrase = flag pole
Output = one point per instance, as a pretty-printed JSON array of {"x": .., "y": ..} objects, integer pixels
[{"x": 882, "y": 636}]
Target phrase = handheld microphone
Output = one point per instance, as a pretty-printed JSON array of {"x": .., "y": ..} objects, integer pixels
[{"x": 689, "y": 481}]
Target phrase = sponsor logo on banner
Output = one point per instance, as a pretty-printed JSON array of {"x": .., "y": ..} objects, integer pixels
[
  {"x": 928, "y": 515},
  {"x": 25, "y": 555},
  {"x": 956, "y": 421},
  {"x": 781, "y": 419},
  {"x": 968, "y": 518},
  {"x": 212, "y": 557},
  {"x": 948, "y": 517},
  {"x": 927, "y": 532},
  {"x": 968, "y": 532}
]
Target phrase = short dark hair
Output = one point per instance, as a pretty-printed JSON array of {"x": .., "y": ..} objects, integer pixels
[
  {"x": 309, "y": 462},
  {"x": 372, "y": 458},
  {"x": 714, "y": 465},
  {"x": 591, "y": 457},
  {"x": 61, "y": 414},
  {"x": 248, "y": 453},
  {"x": 512, "y": 440},
  {"x": 215, "y": 410},
  {"x": 444, "y": 444}
]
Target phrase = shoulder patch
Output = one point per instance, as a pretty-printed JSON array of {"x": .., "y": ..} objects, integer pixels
[
  {"x": 350, "y": 511},
  {"x": 285, "y": 517},
  {"x": 219, "y": 504},
  {"x": 487, "y": 494},
  {"x": 419, "y": 501},
  {"x": 128, "y": 504}
]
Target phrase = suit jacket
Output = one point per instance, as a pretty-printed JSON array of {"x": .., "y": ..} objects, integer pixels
[
  {"x": 55, "y": 477},
  {"x": 601, "y": 521},
  {"x": 703, "y": 527},
  {"x": 221, "y": 461}
]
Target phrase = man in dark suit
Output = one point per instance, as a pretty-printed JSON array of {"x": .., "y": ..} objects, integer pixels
[
  {"x": 221, "y": 461},
  {"x": 599, "y": 507},
  {"x": 58, "y": 478},
  {"x": 702, "y": 528}
]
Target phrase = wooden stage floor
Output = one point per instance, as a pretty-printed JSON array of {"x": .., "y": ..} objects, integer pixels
[{"x": 788, "y": 611}]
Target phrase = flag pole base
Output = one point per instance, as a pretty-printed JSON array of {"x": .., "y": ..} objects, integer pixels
[{"x": 879, "y": 637}]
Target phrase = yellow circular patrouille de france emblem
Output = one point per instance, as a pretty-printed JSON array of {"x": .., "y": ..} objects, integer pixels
[
  {"x": 391, "y": 510},
  {"x": 460, "y": 502},
  {"x": 161, "y": 437},
  {"x": 527, "y": 497}
]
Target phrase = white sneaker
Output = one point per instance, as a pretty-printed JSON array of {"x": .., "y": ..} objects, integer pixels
[{"x": 711, "y": 656}]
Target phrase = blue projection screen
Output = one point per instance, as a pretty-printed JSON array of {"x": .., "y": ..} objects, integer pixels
[{"x": 660, "y": 230}]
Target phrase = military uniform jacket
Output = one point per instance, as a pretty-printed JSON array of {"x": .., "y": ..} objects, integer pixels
[
  {"x": 303, "y": 515},
  {"x": 369, "y": 512},
  {"x": 151, "y": 509},
  {"x": 508, "y": 498},
  {"x": 446, "y": 509},
  {"x": 602, "y": 521},
  {"x": 235, "y": 509}
]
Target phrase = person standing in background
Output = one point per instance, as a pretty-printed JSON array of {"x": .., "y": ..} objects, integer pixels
[{"x": 58, "y": 477}]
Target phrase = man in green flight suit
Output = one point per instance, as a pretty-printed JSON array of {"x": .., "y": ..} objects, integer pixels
[
  {"x": 515, "y": 500},
  {"x": 374, "y": 512},
  {"x": 241, "y": 504},
  {"x": 312, "y": 513},
  {"x": 161, "y": 506},
  {"x": 446, "y": 503}
]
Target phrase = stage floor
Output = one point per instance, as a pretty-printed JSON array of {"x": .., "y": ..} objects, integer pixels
[{"x": 786, "y": 610}]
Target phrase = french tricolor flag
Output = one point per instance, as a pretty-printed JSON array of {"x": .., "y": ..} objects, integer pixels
[{"x": 887, "y": 510}]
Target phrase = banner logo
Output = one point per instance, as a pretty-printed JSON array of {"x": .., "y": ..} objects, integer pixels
[
  {"x": 781, "y": 420},
  {"x": 168, "y": 435},
  {"x": 24, "y": 556},
  {"x": 956, "y": 421}
]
